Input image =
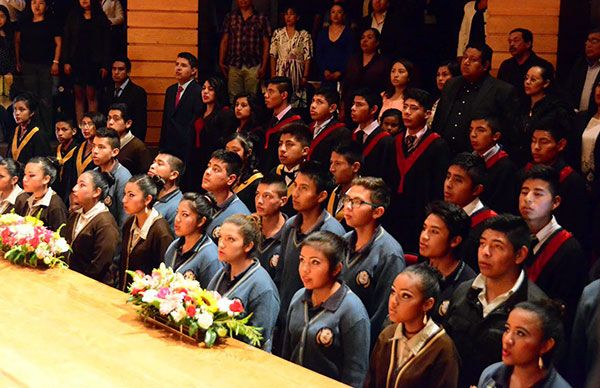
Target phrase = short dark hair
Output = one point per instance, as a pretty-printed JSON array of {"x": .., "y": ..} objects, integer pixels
[
  {"x": 514, "y": 228},
  {"x": 493, "y": 122},
  {"x": 372, "y": 98},
  {"x": 316, "y": 172},
  {"x": 191, "y": 58},
  {"x": 351, "y": 151},
  {"x": 29, "y": 99},
  {"x": 330, "y": 94},
  {"x": 485, "y": 50},
  {"x": 419, "y": 95},
  {"x": 551, "y": 124},
  {"x": 125, "y": 60},
  {"x": 231, "y": 159},
  {"x": 547, "y": 71},
  {"x": 544, "y": 173},
  {"x": 456, "y": 219},
  {"x": 175, "y": 163},
  {"x": 380, "y": 192},
  {"x": 204, "y": 206},
  {"x": 334, "y": 247},
  {"x": 392, "y": 112},
  {"x": 452, "y": 65},
  {"x": 108, "y": 133},
  {"x": 300, "y": 132},
  {"x": 473, "y": 165},
  {"x": 97, "y": 118},
  {"x": 283, "y": 84},
  {"x": 527, "y": 35},
  {"x": 121, "y": 107},
  {"x": 278, "y": 181},
  {"x": 63, "y": 119}
]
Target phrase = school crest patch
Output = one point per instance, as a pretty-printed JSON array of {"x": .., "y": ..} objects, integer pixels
[
  {"x": 189, "y": 275},
  {"x": 274, "y": 261},
  {"x": 216, "y": 233},
  {"x": 363, "y": 279},
  {"x": 324, "y": 337},
  {"x": 443, "y": 308},
  {"x": 108, "y": 200}
]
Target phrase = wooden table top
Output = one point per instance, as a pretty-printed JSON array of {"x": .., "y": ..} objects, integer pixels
[{"x": 60, "y": 328}]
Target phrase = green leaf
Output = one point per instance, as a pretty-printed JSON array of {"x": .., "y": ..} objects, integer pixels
[
  {"x": 193, "y": 329},
  {"x": 210, "y": 337}
]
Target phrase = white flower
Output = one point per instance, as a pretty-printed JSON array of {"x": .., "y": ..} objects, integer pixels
[
  {"x": 178, "y": 314},
  {"x": 205, "y": 320},
  {"x": 149, "y": 296},
  {"x": 223, "y": 305},
  {"x": 61, "y": 245},
  {"x": 42, "y": 251},
  {"x": 170, "y": 303}
]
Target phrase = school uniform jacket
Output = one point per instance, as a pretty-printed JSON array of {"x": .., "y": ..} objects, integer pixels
[
  {"x": 167, "y": 206},
  {"x": 269, "y": 157},
  {"x": 32, "y": 143},
  {"x": 135, "y": 157},
  {"x": 52, "y": 211},
  {"x": 231, "y": 206},
  {"x": 269, "y": 252},
  {"x": 16, "y": 202},
  {"x": 500, "y": 192},
  {"x": 333, "y": 134},
  {"x": 378, "y": 153},
  {"x": 116, "y": 192},
  {"x": 65, "y": 179},
  {"x": 202, "y": 265}
]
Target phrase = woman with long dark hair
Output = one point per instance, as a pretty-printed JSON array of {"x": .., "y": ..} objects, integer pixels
[{"x": 245, "y": 188}]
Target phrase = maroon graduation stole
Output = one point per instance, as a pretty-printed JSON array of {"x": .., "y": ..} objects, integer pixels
[
  {"x": 550, "y": 248},
  {"x": 481, "y": 215},
  {"x": 277, "y": 128},
  {"x": 495, "y": 159},
  {"x": 369, "y": 148},
  {"x": 322, "y": 136},
  {"x": 564, "y": 173},
  {"x": 405, "y": 164},
  {"x": 198, "y": 128}
]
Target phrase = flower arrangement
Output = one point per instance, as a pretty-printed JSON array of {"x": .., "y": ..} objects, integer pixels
[
  {"x": 26, "y": 241},
  {"x": 169, "y": 297}
]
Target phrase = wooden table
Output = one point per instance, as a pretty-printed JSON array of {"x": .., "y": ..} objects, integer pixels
[{"x": 61, "y": 329}]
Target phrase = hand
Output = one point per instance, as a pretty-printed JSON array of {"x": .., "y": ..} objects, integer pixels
[
  {"x": 103, "y": 73},
  {"x": 68, "y": 69},
  {"x": 327, "y": 75},
  {"x": 54, "y": 70},
  {"x": 224, "y": 69}
]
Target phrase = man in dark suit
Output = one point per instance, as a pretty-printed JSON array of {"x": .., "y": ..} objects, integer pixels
[
  {"x": 585, "y": 74},
  {"x": 472, "y": 95},
  {"x": 123, "y": 90}
]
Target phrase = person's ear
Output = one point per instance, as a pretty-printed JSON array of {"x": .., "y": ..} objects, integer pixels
[
  {"x": 248, "y": 248},
  {"x": 174, "y": 175},
  {"x": 496, "y": 136},
  {"x": 373, "y": 110},
  {"x": 337, "y": 270},
  {"x": 521, "y": 255},
  {"x": 548, "y": 345},
  {"x": 477, "y": 190},
  {"x": 201, "y": 223},
  {"x": 355, "y": 167},
  {"x": 428, "y": 305},
  {"x": 128, "y": 124},
  {"x": 562, "y": 144},
  {"x": 231, "y": 179},
  {"x": 378, "y": 212},
  {"x": 556, "y": 202},
  {"x": 332, "y": 108},
  {"x": 283, "y": 201},
  {"x": 456, "y": 240},
  {"x": 147, "y": 200},
  {"x": 115, "y": 152},
  {"x": 97, "y": 192},
  {"x": 322, "y": 196},
  {"x": 305, "y": 151}
]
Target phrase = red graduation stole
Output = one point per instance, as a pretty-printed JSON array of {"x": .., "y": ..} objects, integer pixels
[
  {"x": 495, "y": 159},
  {"x": 548, "y": 251},
  {"x": 277, "y": 128},
  {"x": 481, "y": 215},
  {"x": 324, "y": 133},
  {"x": 369, "y": 148},
  {"x": 405, "y": 164},
  {"x": 565, "y": 172}
]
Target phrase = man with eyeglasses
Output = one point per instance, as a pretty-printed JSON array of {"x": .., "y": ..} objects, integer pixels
[
  {"x": 585, "y": 74},
  {"x": 375, "y": 256}
]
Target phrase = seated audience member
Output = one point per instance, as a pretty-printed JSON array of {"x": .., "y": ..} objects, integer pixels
[
  {"x": 478, "y": 309},
  {"x": 65, "y": 133},
  {"x": 556, "y": 262},
  {"x": 465, "y": 181},
  {"x": 133, "y": 154},
  {"x": 222, "y": 172},
  {"x": 89, "y": 124},
  {"x": 444, "y": 231},
  {"x": 344, "y": 166},
  {"x": 391, "y": 121},
  {"x": 12, "y": 197},
  {"x": 335, "y": 341},
  {"x": 376, "y": 144},
  {"x": 402, "y": 75},
  {"x": 104, "y": 154},
  {"x": 446, "y": 70},
  {"x": 170, "y": 169},
  {"x": 294, "y": 142},
  {"x": 413, "y": 351},
  {"x": 242, "y": 277},
  {"x": 146, "y": 234},
  {"x": 327, "y": 132},
  {"x": 277, "y": 98},
  {"x": 375, "y": 258},
  {"x": 421, "y": 162},
  {"x": 91, "y": 230},
  {"x": 584, "y": 74},
  {"x": 500, "y": 193},
  {"x": 43, "y": 202},
  {"x": 193, "y": 253},
  {"x": 532, "y": 337},
  {"x": 244, "y": 144},
  {"x": 28, "y": 140},
  {"x": 271, "y": 197}
]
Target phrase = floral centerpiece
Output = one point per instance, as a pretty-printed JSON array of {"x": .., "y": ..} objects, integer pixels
[
  {"x": 26, "y": 241},
  {"x": 181, "y": 303}
]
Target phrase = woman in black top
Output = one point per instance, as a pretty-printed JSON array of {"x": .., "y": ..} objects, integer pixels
[
  {"x": 244, "y": 145},
  {"x": 29, "y": 140},
  {"x": 6, "y": 44}
]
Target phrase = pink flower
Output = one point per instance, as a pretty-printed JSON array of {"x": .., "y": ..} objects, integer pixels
[{"x": 163, "y": 293}]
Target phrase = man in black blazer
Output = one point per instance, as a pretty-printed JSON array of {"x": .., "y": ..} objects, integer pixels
[
  {"x": 123, "y": 90},
  {"x": 471, "y": 95},
  {"x": 586, "y": 73}
]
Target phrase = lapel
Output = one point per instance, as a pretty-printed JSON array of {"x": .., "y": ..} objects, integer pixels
[
  {"x": 451, "y": 92},
  {"x": 184, "y": 97}
]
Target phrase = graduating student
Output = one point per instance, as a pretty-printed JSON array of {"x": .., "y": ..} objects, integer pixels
[
  {"x": 293, "y": 148},
  {"x": 65, "y": 133},
  {"x": 89, "y": 124},
  {"x": 43, "y": 202},
  {"x": 375, "y": 258},
  {"x": 92, "y": 231},
  {"x": 413, "y": 351},
  {"x": 244, "y": 144},
  {"x": 345, "y": 164},
  {"x": 376, "y": 144},
  {"x": 133, "y": 154},
  {"x": 327, "y": 132},
  {"x": 421, "y": 162},
  {"x": 12, "y": 197},
  {"x": 484, "y": 135},
  {"x": 146, "y": 234},
  {"x": 223, "y": 171},
  {"x": 556, "y": 263},
  {"x": 277, "y": 97},
  {"x": 106, "y": 148},
  {"x": 193, "y": 253},
  {"x": 478, "y": 309},
  {"x": 28, "y": 141},
  {"x": 327, "y": 327},
  {"x": 243, "y": 278},
  {"x": 445, "y": 229},
  {"x": 465, "y": 181},
  {"x": 170, "y": 169},
  {"x": 391, "y": 121}
]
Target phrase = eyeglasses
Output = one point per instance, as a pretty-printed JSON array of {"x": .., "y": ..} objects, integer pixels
[
  {"x": 356, "y": 202},
  {"x": 86, "y": 125}
]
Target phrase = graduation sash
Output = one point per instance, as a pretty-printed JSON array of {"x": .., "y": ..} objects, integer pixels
[
  {"x": 291, "y": 186},
  {"x": 369, "y": 148},
  {"x": 495, "y": 158},
  {"x": 481, "y": 215},
  {"x": 277, "y": 128},
  {"x": 248, "y": 182},
  {"x": 405, "y": 164},
  {"x": 62, "y": 160},
  {"x": 564, "y": 173},
  {"x": 322, "y": 136},
  {"x": 548, "y": 251},
  {"x": 17, "y": 148},
  {"x": 80, "y": 162},
  {"x": 331, "y": 205}
]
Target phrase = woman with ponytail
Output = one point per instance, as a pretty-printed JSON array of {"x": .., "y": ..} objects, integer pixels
[{"x": 12, "y": 197}]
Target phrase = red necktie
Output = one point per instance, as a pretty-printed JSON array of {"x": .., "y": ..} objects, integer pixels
[{"x": 178, "y": 95}]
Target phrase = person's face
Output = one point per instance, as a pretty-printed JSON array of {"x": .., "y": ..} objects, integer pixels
[
  {"x": 536, "y": 202},
  {"x": 320, "y": 109},
  {"x": 399, "y": 76},
  {"x": 534, "y": 83},
  {"x": 517, "y": 45},
  {"x": 458, "y": 187},
  {"x": 523, "y": 339},
  {"x": 186, "y": 220},
  {"x": 305, "y": 196},
  {"x": 481, "y": 136},
  {"x": 64, "y": 132},
  {"x": 343, "y": 172},
  {"x": 22, "y": 113},
  {"x": 209, "y": 96},
  {"x": 434, "y": 240},
  {"x": 496, "y": 256},
  {"x": 38, "y": 7},
  {"x": 267, "y": 200},
  {"x": 360, "y": 111},
  {"x": 380, "y": 5},
  {"x": 85, "y": 4},
  {"x": 115, "y": 121},
  {"x": 442, "y": 76},
  {"x": 134, "y": 201},
  {"x": 102, "y": 152},
  {"x": 290, "y": 17},
  {"x": 7, "y": 182},
  {"x": 184, "y": 70},
  {"x": 471, "y": 66},
  {"x": 242, "y": 108},
  {"x": 414, "y": 115},
  {"x": 160, "y": 167},
  {"x": 544, "y": 147},
  {"x": 244, "y": 3},
  {"x": 368, "y": 42},
  {"x": 3, "y": 19},
  {"x": 357, "y": 216},
  {"x": 592, "y": 46},
  {"x": 273, "y": 97},
  {"x": 236, "y": 146},
  {"x": 88, "y": 129},
  {"x": 231, "y": 243},
  {"x": 34, "y": 179},
  {"x": 314, "y": 269},
  {"x": 119, "y": 72},
  {"x": 391, "y": 124},
  {"x": 84, "y": 193},
  {"x": 215, "y": 176},
  {"x": 291, "y": 151},
  {"x": 406, "y": 303},
  {"x": 336, "y": 14}
]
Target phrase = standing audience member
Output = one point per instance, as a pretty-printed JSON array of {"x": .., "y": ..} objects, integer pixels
[
  {"x": 114, "y": 12},
  {"x": 585, "y": 73},
  {"x": 14, "y": 8},
  {"x": 169, "y": 168},
  {"x": 7, "y": 50},
  {"x": 133, "y": 153},
  {"x": 446, "y": 70},
  {"x": 12, "y": 197},
  {"x": 402, "y": 75},
  {"x": 28, "y": 140}
]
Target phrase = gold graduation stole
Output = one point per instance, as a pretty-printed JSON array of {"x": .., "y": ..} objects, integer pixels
[
  {"x": 16, "y": 149},
  {"x": 80, "y": 162},
  {"x": 248, "y": 182},
  {"x": 62, "y": 160}
]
